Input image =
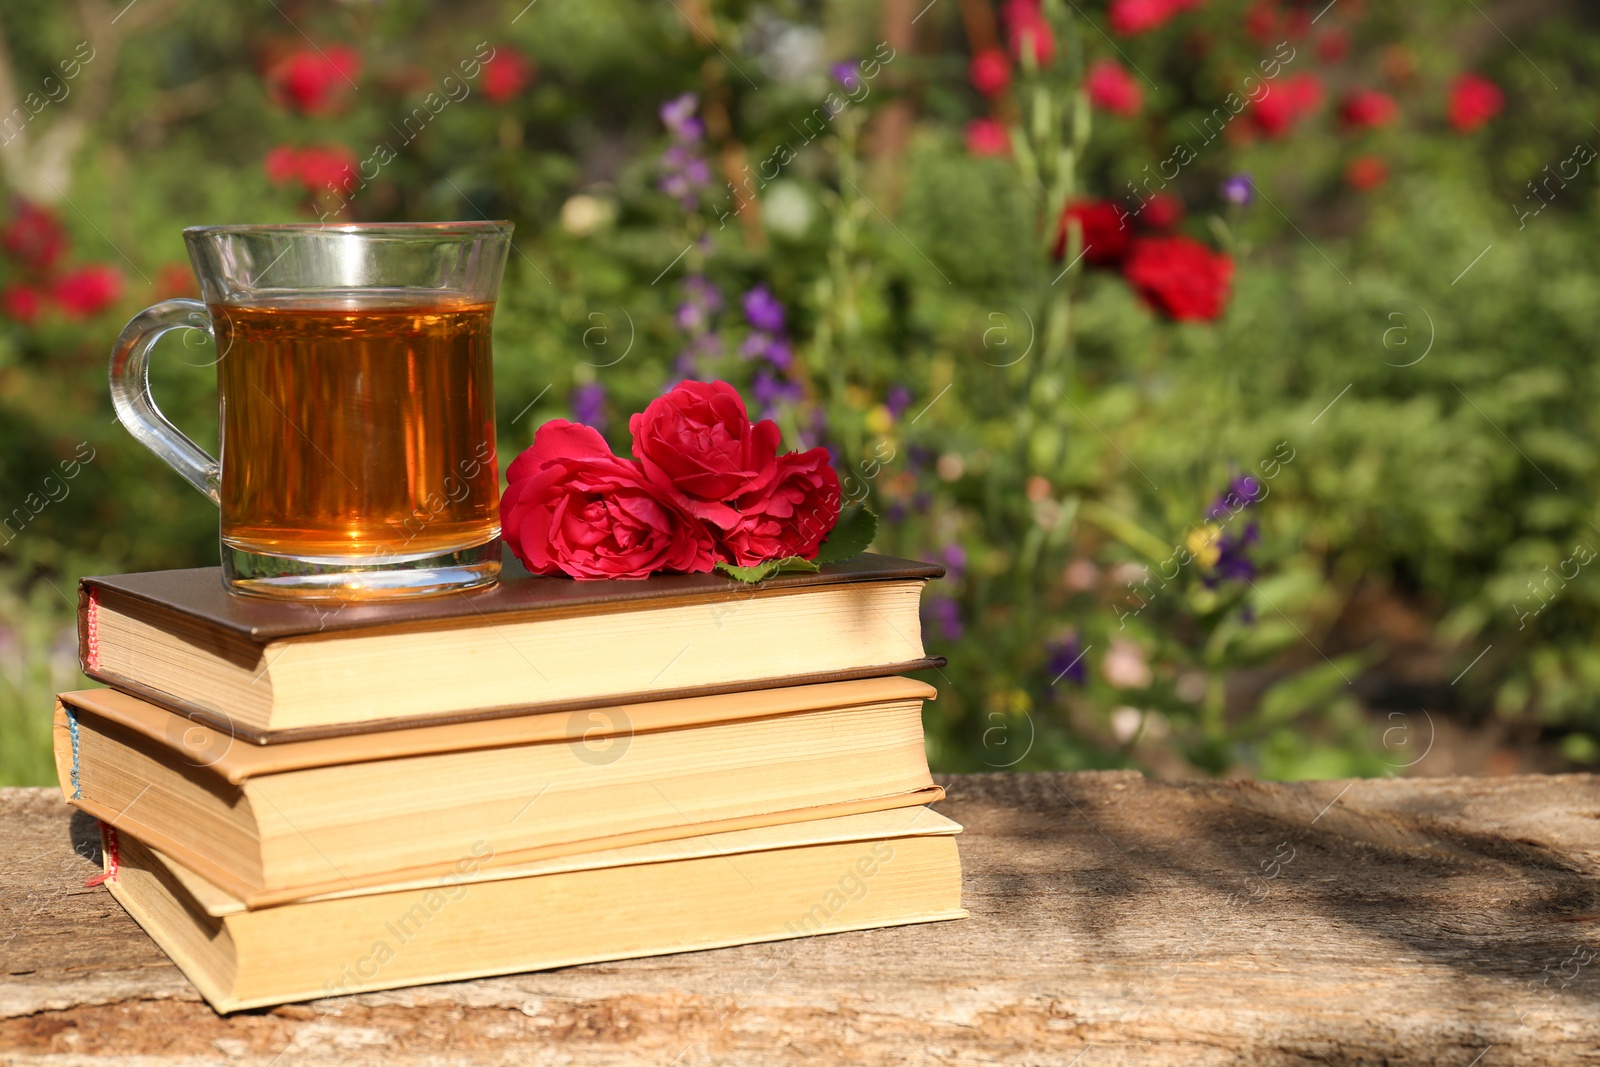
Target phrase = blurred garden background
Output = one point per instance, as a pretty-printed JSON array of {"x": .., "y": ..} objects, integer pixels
[{"x": 1236, "y": 358}]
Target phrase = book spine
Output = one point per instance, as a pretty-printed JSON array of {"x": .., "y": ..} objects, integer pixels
[
  {"x": 72, "y": 731},
  {"x": 89, "y": 627},
  {"x": 113, "y": 859}
]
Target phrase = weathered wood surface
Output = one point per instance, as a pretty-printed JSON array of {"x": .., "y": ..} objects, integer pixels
[{"x": 1114, "y": 920}]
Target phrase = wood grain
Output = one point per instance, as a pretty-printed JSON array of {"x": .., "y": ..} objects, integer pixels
[{"x": 1115, "y": 920}]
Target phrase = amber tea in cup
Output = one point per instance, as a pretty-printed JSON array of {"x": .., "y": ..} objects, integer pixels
[{"x": 356, "y": 404}]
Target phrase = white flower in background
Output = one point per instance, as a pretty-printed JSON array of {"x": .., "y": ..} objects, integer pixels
[
  {"x": 786, "y": 52},
  {"x": 1128, "y": 723},
  {"x": 1126, "y": 572},
  {"x": 787, "y": 209},
  {"x": 1124, "y": 665},
  {"x": 1125, "y": 722},
  {"x": 583, "y": 214}
]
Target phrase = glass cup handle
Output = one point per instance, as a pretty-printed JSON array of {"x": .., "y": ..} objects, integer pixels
[{"x": 136, "y": 408}]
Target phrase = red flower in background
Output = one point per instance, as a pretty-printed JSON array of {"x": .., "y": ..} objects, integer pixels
[
  {"x": 89, "y": 290},
  {"x": 1113, "y": 89},
  {"x": 1474, "y": 100},
  {"x": 1366, "y": 109},
  {"x": 1105, "y": 231},
  {"x": 316, "y": 167},
  {"x": 22, "y": 303},
  {"x": 1179, "y": 276},
  {"x": 283, "y": 165},
  {"x": 506, "y": 74},
  {"x": 1333, "y": 46},
  {"x": 1287, "y": 102},
  {"x": 990, "y": 72},
  {"x": 1139, "y": 16},
  {"x": 324, "y": 165},
  {"x": 1162, "y": 211},
  {"x": 34, "y": 237},
  {"x": 314, "y": 81},
  {"x": 1365, "y": 172},
  {"x": 986, "y": 137},
  {"x": 1261, "y": 22},
  {"x": 175, "y": 279},
  {"x": 1023, "y": 20}
]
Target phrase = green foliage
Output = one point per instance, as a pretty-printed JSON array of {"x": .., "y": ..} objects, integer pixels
[
  {"x": 950, "y": 191},
  {"x": 38, "y": 658},
  {"x": 850, "y": 536},
  {"x": 751, "y": 575}
]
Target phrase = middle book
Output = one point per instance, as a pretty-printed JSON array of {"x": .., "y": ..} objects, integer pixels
[{"x": 274, "y": 823}]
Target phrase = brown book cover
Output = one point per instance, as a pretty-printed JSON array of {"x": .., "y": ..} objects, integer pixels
[
  {"x": 197, "y": 594},
  {"x": 223, "y": 628}
]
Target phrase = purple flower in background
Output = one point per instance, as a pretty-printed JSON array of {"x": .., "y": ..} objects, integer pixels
[
  {"x": 706, "y": 346},
  {"x": 1233, "y": 562},
  {"x": 896, "y": 513},
  {"x": 770, "y": 391},
  {"x": 763, "y": 309},
  {"x": 678, "y": 116},
  {"x": 1239, "y": 189},
  {"x": 1244, "y": 490},
  {"x": 702, "y": 289},
  {"x": 701, "y": 300},
  {"x": 1064, "y": 659},
  {"x": 779, "y": 354},
  {"x": 775, "y": 350},
  {"x": 685, "y": 368},
  {"x": 897, "y": 401},
  {"x": 766, "y": 342},
  {"x": 684, "y": 170},
  {"x": 954, "y": 558},
  {"x": 846, "y": 74},
  {"x": 691, "y": 317},
  {"x": 1233, "y": 559},
  {"x": 944, "y": 613},
  {"x": 588, "y": 403}
]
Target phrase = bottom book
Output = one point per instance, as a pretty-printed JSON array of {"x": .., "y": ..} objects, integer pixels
[{"x": 854, "y": 872}]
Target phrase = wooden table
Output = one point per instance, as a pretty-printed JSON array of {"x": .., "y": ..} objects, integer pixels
[{"x": 1114, "y": 920}]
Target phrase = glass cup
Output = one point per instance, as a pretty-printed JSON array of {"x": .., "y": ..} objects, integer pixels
[{"x": 356, "y": 402}]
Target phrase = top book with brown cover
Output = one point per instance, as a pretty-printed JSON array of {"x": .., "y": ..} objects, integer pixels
[{"x": 282, "y": 670}]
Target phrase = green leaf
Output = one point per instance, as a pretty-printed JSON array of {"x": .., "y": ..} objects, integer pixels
[
  {"x": 748, "y": 574},
  {"x": 850, "y": 536},
  {"x": 766, "y": 569}
]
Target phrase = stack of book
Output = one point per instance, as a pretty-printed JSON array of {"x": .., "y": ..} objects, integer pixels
[{"x": 301, "y": 800}]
